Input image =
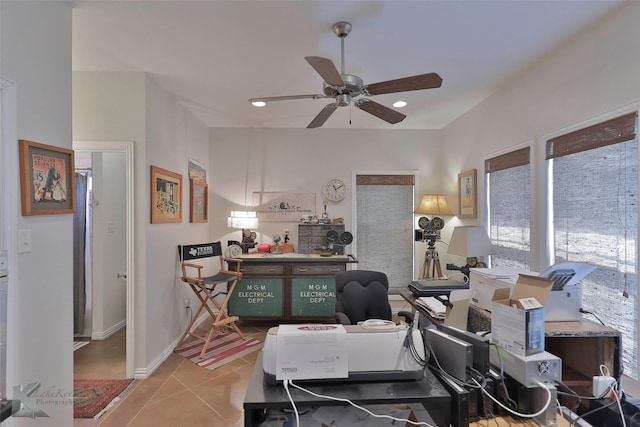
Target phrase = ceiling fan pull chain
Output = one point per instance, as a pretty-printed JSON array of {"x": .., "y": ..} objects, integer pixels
[{"x": 350, "y": 109}]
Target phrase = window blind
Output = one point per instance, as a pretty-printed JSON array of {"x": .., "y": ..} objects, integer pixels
[
  {"x": 384, "y": 207},
  {"x": 612, "y": 131},
  {"x": 508, "y": 199},
  {"x": 594, "y": 176}
]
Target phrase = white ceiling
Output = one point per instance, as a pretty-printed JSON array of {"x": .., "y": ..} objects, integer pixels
[{"x": 214, "y": 55}]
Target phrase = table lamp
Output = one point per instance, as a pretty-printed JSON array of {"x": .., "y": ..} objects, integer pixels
[{"x": 470, "y": 242}]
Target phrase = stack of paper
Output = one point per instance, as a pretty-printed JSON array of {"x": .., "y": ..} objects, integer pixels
[{"x": 433, "y": 306}]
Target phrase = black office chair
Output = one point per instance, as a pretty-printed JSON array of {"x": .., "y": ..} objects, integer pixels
[{"x": 363, "y": 295}]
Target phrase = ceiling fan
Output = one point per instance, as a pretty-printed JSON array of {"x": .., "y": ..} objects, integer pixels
[{"x": 347, "y": 88}]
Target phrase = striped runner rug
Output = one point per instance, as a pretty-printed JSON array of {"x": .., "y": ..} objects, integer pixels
[{"x": 222, "y": 349}]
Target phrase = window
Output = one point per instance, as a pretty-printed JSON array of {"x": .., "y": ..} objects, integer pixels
[
  {"x": 594, "y": 184},
  {"x": 508, "y": 199},
  {"x": 384, "y": 218}
]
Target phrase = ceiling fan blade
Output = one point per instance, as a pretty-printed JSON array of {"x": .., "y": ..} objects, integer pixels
[
  {"x": 423, "y": 81},
  {"x": 326, "y": 69},
  {"x": 322, "y": 116},
  {"x": 380, "y": 111},
  {"x": 287, "y": 97}
]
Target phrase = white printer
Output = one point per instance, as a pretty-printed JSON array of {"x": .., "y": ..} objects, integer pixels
[
  {"x": 565, "y": 299},
  {"x": 370, "y": 354}
]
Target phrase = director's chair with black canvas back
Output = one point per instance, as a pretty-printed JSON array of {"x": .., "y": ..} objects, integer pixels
[{"x": 205, "y": 288}]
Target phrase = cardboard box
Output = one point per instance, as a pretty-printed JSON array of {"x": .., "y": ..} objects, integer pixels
[
  {"x": 517, "y": 317},
  {"x": 484, "y": 281}
]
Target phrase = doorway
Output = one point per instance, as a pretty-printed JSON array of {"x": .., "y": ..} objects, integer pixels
[{"x": 107, "y": 228}]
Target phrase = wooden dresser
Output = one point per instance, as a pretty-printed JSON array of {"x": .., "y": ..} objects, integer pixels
[{"x": 292, "y": 287}]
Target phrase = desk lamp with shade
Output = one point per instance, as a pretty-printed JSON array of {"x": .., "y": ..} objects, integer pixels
[
  {"x": 245, "y": 221},
  {"x": 470, "y": 242},
  {"x": 429, "y": 232}
]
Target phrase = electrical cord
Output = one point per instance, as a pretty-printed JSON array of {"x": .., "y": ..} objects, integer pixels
[
  {"x": 586, "y": 414},
  {"x": 583, "y": 311},
  {"x": 411, "y": 345},
  {"x": 508, "y": 398},
  {"x": 293, "y": 404},
  {"x": 339, "y": 399},
  {"x": 614, "y": 390}
]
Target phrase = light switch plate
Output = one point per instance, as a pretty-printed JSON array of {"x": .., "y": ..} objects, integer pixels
[{"x": 24, "y": 241}]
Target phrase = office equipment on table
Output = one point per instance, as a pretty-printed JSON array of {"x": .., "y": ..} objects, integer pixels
[
  {"x": 481, "y": 344},
  {"x": 564, "y": 301},
  {"x": 449, "y": 353},
  {"x": 426, "y": 288},
  {"x": 372, "y": 354}
]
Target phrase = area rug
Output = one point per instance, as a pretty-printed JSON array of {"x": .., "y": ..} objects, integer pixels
[
  {"x": 222, "y": 349},
  {"x": 92, "y": 397}
]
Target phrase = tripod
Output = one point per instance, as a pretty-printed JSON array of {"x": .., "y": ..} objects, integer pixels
[{"x": 431, "y": 264}]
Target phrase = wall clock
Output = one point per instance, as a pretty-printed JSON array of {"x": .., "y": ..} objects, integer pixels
[{"x": 334, "y": 190}]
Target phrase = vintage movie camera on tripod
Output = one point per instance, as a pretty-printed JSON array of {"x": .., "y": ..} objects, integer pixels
[{"x": 429, "y": 232}]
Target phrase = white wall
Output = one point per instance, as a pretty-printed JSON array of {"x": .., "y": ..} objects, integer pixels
[
  {"x": 36, "y": 55},
  {"x": 173, "y": 136},
  {"x": 301, "y": 160}
]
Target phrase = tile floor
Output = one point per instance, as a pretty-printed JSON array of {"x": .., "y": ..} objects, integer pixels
[{"x": 178, "y": 393}]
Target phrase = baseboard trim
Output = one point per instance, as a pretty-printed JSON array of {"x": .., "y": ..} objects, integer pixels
[
  {"x": 142, "y": 373},
  {"x": 112, "y": 330}
]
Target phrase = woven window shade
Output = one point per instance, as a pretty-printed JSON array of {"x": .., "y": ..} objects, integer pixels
[
  {"x": 384, "y": 241},
  {"x": 612, "y": 131},
  {"x": 506, "y": 161}
]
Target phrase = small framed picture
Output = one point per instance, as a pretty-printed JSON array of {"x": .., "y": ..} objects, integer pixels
[
  {"x": 199, "y": 201},
  {"x": 47, "y": 179},
  {"x": 467, "y": 201},
  {"x": 166, "y": 196}
]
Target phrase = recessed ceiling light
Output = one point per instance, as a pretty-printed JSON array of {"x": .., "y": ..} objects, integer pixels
[
  {"x": 258, "y": 103},
  {"x": 399, "y": 104}
]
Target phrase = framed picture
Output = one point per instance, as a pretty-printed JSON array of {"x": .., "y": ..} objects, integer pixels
[
  {"x": 47, "y": 179},
  {"x": 166, "y": 196},
  {"x": 467, "y": 201},
  {"x": 199, "y": 201}
]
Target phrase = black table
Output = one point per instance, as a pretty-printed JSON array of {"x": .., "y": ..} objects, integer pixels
[{"x": 428, "y": 392}]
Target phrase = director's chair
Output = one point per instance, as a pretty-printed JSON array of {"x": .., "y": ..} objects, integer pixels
[{"x": 204, "y": 288}]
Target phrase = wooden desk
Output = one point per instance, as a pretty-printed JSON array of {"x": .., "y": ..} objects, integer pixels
[
  {"x": 583, "y": 346},
  {"x": 289, "y": 287}
]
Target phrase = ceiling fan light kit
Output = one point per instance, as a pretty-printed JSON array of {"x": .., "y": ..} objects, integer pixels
[{"x": 346, "y": 88}]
